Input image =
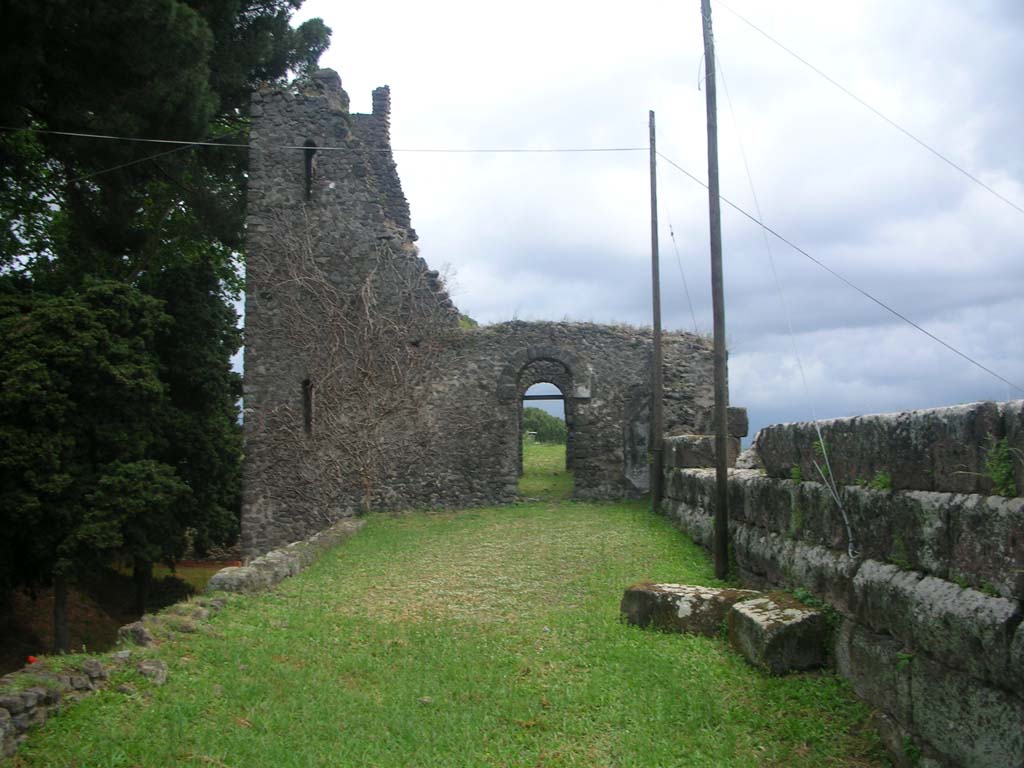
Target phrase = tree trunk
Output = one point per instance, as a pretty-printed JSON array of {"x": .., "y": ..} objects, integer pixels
[
  {"x": 142, "y": 575},
  {"x": 61, "y": 632}
]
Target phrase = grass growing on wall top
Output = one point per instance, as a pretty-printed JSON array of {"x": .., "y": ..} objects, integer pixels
[{"x": 488, "y": 637}]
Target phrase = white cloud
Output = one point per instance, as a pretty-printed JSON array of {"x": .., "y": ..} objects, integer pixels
[{"x": 553, "y": 236}]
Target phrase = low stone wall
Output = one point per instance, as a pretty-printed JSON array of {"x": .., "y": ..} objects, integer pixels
[
  {"x": 277, "y": 565},
  {"x": 930, "y": 599},
  {"x": 940, "y": 449},
  {"x": 32, "y": 695}
]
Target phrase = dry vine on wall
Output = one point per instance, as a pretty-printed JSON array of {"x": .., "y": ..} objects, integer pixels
[{"x": 365, "y": 332}]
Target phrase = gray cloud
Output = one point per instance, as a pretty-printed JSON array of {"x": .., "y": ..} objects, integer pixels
[{"x": 556, "y": 236}]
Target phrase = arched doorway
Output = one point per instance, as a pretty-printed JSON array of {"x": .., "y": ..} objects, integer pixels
[
  {"x": 544, "y": 433},
  {"x": 564, "y": 379}
]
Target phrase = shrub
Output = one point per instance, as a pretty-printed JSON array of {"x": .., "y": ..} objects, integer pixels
[{"x": 548, "y": 428}]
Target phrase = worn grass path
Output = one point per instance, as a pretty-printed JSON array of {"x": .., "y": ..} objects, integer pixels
[{"x": 488, "y": 637}]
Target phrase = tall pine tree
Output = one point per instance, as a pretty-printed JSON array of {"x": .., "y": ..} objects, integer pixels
[{"x": 162, "y": 222}]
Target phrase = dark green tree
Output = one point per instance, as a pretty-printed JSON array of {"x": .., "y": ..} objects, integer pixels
[
  {"x": 164, "y": 221},
  {"x": 78, "y": 386},
  {"x": 547, "y": 428}
]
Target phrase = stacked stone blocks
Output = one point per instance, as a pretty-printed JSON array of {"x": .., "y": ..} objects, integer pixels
[{"x": 931, "y": 598}]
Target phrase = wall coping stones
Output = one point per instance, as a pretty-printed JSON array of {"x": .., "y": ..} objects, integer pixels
[{"x": 937, "y": 449}]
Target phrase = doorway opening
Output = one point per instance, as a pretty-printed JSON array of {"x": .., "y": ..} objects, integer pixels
[{"x": 545, "y": 443}]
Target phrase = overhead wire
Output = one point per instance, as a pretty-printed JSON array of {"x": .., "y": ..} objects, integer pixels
[
  {"x": 119, "y": 166},
  {"x": 953, "y": 164},
  {"x": 827, "y": 476},
  {"x": 679, "y": 259},
  {"x": 756, "y": 220},
  {"x": 842, "y": 278},
  {"x": 240, "y": 145}
]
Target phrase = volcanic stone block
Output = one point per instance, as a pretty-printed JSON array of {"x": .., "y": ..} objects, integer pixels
[
  {"x": 736, "y": 422},
  {"x": 966, "y": 721},
  {"x": 778, "y": 635},
  {"x": 135, "y": 634},
  {"x": 154, "y": 669},
  {"x": 694, "y": 451},
  {"x": 877, "y": 667},
  {"x": 680, "y": 608},
  {"x": 988, "y": 546},
  {"x": 963, "y": 628},
  {"x": 941, "y": 449},
  {"x": 1012, "y": 413}
]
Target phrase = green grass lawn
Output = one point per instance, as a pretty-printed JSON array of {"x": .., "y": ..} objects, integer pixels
[
  {"x": 544, "y": 472},
  {"x": 488, "y": 637}
]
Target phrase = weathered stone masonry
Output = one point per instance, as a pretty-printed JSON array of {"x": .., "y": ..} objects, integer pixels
[
  {"x": 931, "y": 634},
  {"x": 361, "y": 388}
]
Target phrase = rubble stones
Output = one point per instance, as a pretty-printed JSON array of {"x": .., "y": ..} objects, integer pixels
[
  {"x": 275, "y": 566},
  {"x": 94, "y": 669},
  {"x": 679, "y": 607},
  {"x": 779, "y": 636},
  {"x": 154, "y": 669},
  {"x": 135, "y": 633}
]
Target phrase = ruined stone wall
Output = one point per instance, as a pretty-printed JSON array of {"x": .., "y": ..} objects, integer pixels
[
  {"x": 329, "y": 248},
  {"x": 362, "y": 391},
  {"x": 930, "y": 601},
  {"x": 938, "y": 449}
]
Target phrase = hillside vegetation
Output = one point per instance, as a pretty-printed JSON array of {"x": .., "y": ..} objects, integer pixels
[{"x": 488, "y": 637}]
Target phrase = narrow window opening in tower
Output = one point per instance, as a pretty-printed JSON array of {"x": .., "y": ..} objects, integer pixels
[
  {"x": 307, "y": 406},
  {"x": 308, "y": 152}
]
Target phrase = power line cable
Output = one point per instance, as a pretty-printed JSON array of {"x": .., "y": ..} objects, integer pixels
[
  {"x": 873, "y": 109},
  {"x": 136, "y": 161},
  {"x": 237, "y": 145},
  {"x": 841, "y": 278},
  {"x": 679, "y": 260},
  {"x": 827, "y": 476}
]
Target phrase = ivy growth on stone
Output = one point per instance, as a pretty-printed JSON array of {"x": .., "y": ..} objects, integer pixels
[{"x": 999, "y": 466}]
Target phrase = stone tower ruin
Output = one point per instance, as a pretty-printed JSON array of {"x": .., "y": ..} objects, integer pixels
[{"x": 362, "y": 390}]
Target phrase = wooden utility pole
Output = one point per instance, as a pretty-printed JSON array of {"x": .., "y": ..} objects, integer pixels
[
  {"x": 721, "y": 538},
  {"x": 657, "y": 438}
]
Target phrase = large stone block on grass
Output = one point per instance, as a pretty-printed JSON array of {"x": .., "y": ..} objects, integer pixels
[
  {"x": 779, "y": 635},
  {"x": 680, "y": 607}
]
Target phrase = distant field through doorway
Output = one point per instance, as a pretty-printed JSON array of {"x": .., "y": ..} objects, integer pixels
[{"x": 544, "y": 434}]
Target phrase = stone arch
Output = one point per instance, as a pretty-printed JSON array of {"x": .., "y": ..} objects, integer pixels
[
  {"x": 579, "y": 372},
  {"x": 557, "y": 374}
]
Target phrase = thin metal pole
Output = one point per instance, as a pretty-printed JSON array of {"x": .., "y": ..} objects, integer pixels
[
  {"x": 656, "y": 385},
  {"x": 721, "y": 538}
]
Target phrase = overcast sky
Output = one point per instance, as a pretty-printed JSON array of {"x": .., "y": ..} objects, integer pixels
[{"x": 567, "y": 236}]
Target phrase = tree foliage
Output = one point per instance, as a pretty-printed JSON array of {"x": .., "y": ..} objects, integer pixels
[
  {"x": 119, "y": 269},
  {"x": 78, "y": 383},
  {"x": 547, "y": 428}
]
